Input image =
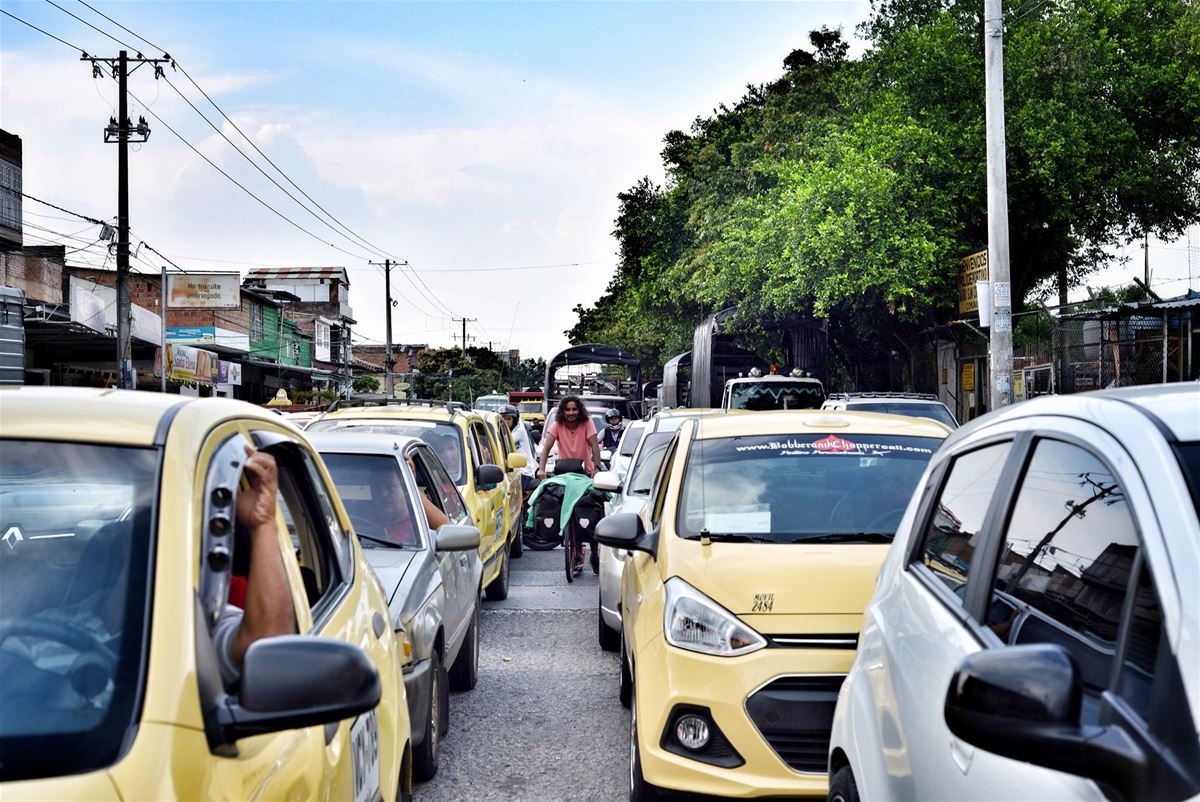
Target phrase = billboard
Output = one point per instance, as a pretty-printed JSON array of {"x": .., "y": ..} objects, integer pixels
[
  {"x": 187, "y": 364},
  {"x": 204, "y": 291}
]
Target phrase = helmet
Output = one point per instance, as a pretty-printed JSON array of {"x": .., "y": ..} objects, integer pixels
[
  {"x": 508, "y": 410},
  {"x": 613, "y": 413}
]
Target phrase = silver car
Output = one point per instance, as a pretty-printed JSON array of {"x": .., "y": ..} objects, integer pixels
[{"x": 432, "y": 579}]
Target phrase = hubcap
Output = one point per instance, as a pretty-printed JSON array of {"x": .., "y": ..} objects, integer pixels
[{"x": 435, "y": 710}]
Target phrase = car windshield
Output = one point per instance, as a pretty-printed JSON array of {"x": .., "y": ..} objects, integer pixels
[
  {"x": 630, "y": 440},
  {"x": 529, "y": 406},
  {"x": 801, "y": 487},
  {"x": 444, "y": 438},
  {"x": 74, "y": 589},
  {"x": 375, "y": 497},
  {"x": 936, "y": 411},
  {"x": 641, "y": 476},
  {"x": 490, "y": 403},
  {"x": 771, "y": 395}
]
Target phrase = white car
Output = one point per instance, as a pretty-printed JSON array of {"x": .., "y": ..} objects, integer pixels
[
  {"x": 632, "y": 489},
  {"x": 1035, "y": 633},
  {"x": 914, "y": 405},
  {"x": 623, "y": 457}
]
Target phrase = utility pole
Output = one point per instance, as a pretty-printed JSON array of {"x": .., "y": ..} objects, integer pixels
[
  {"x": 1000, "y": 349},
  {"x": 388, "y": 363},
  {"x": 162, "y": 310},
  {"x": 122, "y": 131},
  {"x": 464, "y": 321}
]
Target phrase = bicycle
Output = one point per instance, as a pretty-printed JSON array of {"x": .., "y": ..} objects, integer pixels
[{"x": 573, "y": 549}]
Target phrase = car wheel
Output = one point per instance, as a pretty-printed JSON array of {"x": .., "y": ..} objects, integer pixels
[
  {"x": 625, "y": 690},
  {"x": 425, "y": 756},
  {"x": 404, "y": 782},
  {"x": 465, "y": 671},
  {"x": 842, "y": 787},
  {"x": 498, "y": 590},
  {"x": 610, "y": 639},
  {"x": 639, "y": 789},
  {"x": 517, "y": 548}
]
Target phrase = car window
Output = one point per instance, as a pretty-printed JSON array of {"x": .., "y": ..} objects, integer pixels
[
  {"x": 1066, "y": 560},
  {"x": 375, "y": 497},
  {"x": 484, "y": 445},
  {"x": 630, "y": 440},
  {"x": 937, "y": 412},
  {"x": 649, "y": 458},
  {"x": 311, "y": 538},
  {"x": 952, "y": 534},
  {"x": 661, "y": 481},
  {"x": 796, "y": 486},
  {"x": 498, "y": 438},
  {"x": 771, "y": 395},
  {"x": 74, "y": 579},
  {"x": 445, "y": 438},
  {"x": 440, "y": 487}
]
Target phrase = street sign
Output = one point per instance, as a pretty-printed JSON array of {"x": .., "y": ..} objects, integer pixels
[{"x": 971, "y": 268}]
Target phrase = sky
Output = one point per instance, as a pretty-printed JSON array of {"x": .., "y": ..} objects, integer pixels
[{"x": 484, "y": 143}]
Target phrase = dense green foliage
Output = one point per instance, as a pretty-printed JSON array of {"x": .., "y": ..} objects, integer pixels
[
  {"x": 849, "y": 188},
  {"x": 451, "y": 373}
]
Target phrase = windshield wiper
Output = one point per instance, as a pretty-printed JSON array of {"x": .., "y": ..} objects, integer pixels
[
  {"x": 731, "y": 537},
  {"x": 381, "y": 541},
  {"x": 846, "y": 537}
]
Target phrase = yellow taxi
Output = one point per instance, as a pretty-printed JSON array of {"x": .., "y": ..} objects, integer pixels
[
  {"x": 513, "y": 461},
  {"x": 752, "y": 563},
  {"x": 122, "y": 555},
  {"x": 463, "y": 441}
]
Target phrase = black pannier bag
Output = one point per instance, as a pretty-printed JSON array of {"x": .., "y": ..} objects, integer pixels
[
  {"x": 546, "y": 533},
  {"x": 587, "y": 513}
]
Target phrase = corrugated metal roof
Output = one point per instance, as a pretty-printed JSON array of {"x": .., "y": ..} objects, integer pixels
[{"x": 285, "y": 273}]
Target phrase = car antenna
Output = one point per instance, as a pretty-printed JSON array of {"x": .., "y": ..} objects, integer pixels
[{"x": 331, "y": 408}]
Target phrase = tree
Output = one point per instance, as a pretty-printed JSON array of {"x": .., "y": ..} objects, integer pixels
[{"x": 365, "y": 383}]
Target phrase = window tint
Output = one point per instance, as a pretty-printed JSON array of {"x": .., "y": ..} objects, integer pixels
[
  {"x": 441, "y": 489},
  {"x": 483, "y": 445},
  {"x": 376, "y": 499},
  {"x": 660, "y": 481},
  {"x": 953, "y": 533},
  {"x": 1065, "y": 565},
  {"x": 629, "y": 442},
  {"x": 641, "y": 476}
]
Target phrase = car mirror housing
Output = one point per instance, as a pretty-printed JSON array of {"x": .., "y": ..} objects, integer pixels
[
  {"x": 1024, "y": 702},
  {"x": 452, "y": 537},
  {"x": 335, "y": 681},
  {"x": 624, "y": 531},
  {"x": 489, "y": 475},
  {"x": 608, "y": 481},
  {"x": 516, "y": 461}
]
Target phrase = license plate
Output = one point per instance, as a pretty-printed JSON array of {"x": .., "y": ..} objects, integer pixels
[{"x": 364, "y": 744}]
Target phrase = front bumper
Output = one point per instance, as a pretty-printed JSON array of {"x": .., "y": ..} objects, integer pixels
[
  {"x": 769, "y": 718},
  {"x": 416, "y": 688}
]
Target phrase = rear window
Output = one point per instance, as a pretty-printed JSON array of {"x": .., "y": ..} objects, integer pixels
[
  {"x": 937, "y": 412},
  {"x": 78, "y": 524},
  {"x": 444, "y": 438},
  {"x": 529, "y": 407},
  {"x": 641, "y": 475},
  {"x": 774, "y": 395},
  {"x": 490, "y": 403},
  {"x": 801, "y": 487}
]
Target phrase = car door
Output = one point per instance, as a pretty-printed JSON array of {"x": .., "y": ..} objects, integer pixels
[
  {"x": 502, "y": 446},
  {"x": 640, "y": 574},
  {"x": 454, "y": 566},
  {"x": 360, "y": 753},
  {"x": 493, "y": 497}
]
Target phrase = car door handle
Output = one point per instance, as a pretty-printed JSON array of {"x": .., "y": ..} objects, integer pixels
[{"x": 962, "y": 755}]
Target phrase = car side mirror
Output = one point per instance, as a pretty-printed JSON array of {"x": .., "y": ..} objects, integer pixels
[
  {"x": 516, "y": 461},
  {"x": 489, "y": 475},
  {"x": 1024, "y": 703},
  {"x": 294, "y": 681},
  {"x": 624, "y": 531},
  {"x": 608, "y": 481},
  {"x": 453, "y": 537}
]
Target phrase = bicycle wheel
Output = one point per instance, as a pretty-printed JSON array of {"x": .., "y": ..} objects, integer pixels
[{"x": 569, "y": 553}]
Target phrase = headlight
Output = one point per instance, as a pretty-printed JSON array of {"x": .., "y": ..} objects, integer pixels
[{"x": 695, "y": 622}]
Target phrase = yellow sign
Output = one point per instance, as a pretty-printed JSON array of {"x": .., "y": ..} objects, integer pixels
[
  {"x": 971, "y": 268},
  {"x": 968, "y": 377}
]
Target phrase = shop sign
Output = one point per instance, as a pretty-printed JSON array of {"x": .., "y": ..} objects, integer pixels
[
  {"x": 204, "y": 291},
  {"x": 187, "y": 364},
  {"x": 229, "y": 372},
  {"x": 971, "y": 268},
  {"x": 968, "y": 377}
]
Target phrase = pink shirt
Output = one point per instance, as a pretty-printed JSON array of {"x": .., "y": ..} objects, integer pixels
[{"x": 574, "y": 444}]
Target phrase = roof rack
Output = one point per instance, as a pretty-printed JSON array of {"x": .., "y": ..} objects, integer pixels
[
  {"x": 909, "y": 396},
  {"x": 380, "y": 400}
]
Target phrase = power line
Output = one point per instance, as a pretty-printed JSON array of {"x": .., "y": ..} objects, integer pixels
[
  {"x": 93, "y": 27},
  {"x": 122, "y": 27},
  {"x": 52, "y": 206},
  {"x": 46, "y": 33},
  {"x": 507, "y": 268}
]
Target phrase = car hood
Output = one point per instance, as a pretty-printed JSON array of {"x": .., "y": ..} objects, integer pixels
[
  {"x": 394, "y": 567},
  {"x": 779, "y": 580}
]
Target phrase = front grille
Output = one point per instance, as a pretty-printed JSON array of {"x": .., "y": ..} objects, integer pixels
[
  {"x": 795, "y": 714},
  {"x": 811, "y": 641}
]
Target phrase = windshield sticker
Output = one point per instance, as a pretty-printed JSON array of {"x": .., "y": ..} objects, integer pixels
[
  {"x": 833, "y": 445},
  {"x": 754, "y": 519}
]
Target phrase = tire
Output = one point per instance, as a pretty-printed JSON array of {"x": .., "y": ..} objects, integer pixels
[
  {"x": 404, "y": 782},
  {"x": 464, "y": 673},
  {"x": 625, "y": 688},
  {"x": 425, "y": 756},
  {"x": 517, "y": 548},
  {"x": 498, "y": 590},
  {"x": 842, "y": 787},
  {"x": 569, "y": 559},
  {"x": 609, "y": 638},
  {"x": 639, "y": 789}
]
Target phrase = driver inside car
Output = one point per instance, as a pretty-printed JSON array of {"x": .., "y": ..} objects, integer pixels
[{"x": 268, "y": 607}]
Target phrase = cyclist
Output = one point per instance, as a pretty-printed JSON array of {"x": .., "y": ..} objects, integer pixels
[{"x": 612, "y": 432}]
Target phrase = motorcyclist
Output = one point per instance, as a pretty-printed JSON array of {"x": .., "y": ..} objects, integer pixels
[
  {"x": 521, "y": 440},
  {"x": 613, "y": 430}
]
